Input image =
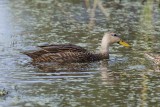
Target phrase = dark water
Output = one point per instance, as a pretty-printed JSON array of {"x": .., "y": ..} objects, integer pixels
[{"x": 127, "y": 80}]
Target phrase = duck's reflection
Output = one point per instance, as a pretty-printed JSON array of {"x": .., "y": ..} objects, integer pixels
[
  {"x": 67, "y": 67},
  {"x": 108, "y": 76},
  {"x": 104, "y": 71}
]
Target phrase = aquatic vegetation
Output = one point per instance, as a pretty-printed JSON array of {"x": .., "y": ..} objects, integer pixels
[{"x": 3, "y": 92}]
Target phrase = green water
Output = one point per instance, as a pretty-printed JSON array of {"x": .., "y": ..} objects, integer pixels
[{"x": 127, "y": 80}]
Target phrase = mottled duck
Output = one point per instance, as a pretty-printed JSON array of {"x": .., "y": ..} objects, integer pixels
[
  {"x": 69, "y": 53},
  {"x": 155, "y": 58}
]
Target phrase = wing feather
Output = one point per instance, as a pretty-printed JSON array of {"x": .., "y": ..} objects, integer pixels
[{"x": 54, "y": 48}]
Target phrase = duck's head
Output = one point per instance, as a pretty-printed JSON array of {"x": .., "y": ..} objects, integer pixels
[{"x": 111, "y": 38}]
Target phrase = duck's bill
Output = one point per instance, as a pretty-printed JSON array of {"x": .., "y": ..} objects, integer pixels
[{"x": 124, "y": 43}]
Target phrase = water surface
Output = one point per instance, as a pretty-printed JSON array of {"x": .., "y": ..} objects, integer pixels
[{"x": 128, "y": 79}]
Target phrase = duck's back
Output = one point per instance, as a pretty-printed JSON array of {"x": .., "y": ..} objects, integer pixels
[{"x": 54, "y": 48}]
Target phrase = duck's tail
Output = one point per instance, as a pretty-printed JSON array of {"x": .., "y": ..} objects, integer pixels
[{"x": 33, "y": 55}]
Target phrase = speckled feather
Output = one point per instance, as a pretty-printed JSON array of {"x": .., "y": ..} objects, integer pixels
[
  {"x": 54, "y": 48},
  {"x": 73, "y": 57},
  {"x": 153, "y": 57}
]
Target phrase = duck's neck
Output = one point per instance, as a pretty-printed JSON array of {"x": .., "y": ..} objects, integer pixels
[
  {"x": 104, "y": 49},
  {"x": 105, "y": 45}
]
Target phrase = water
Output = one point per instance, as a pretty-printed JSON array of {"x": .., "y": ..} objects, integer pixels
[{"x": 128, "y": 79}]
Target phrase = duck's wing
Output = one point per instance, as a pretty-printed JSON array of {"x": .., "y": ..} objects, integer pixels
[
  {"x": 35, "y": 53},
  {"x": 68, "y": 57},
  {"x": 56, "y": 48}
]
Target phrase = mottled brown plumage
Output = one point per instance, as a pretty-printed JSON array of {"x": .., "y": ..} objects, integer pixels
[
  {"x": 64, "y": 53},
  {"x": 155, "y": 58},
  {"x": 70, "y": 57},
  {"x": 54, "y": 48}
]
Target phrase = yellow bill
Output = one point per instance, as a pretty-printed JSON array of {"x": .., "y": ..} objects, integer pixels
[{"x": 124, "y": 43}]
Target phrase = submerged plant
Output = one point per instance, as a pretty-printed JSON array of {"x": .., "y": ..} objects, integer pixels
[{"x": 3, "y": 92}]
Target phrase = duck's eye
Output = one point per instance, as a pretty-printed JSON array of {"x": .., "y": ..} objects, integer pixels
[{"x": 115, "y": 35}]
